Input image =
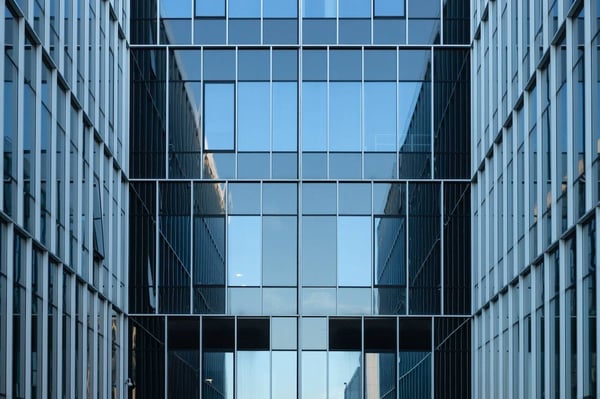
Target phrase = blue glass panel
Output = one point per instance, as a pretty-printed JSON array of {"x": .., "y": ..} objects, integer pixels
[
  {"x": 355, "y": 8},
  {"x": 253, "y": 165},
  {"x": 280, "y": 198},
  {"x": 176, "y": 31},
  {"x": 253, "y": 116},
  {"x": 345, "y": 65},
  {"x": 244, "y": 9},
  {"x": 285, "y": 116},
  {"x": 244, "y": 301},
  {"x": 318, "y": 301},
  {"x": 380, "y": 116},
  {"x": 318, "y": 250},
  {"x": 314, "y": 65},
  {"x": 319, "y": 199},
  {"x": 253, "y": 65},
  {"x": 209, "y": 31},
  {"x": 253, "y": 379},
  {"x": 314, "y": 116},
  {"x": 280, "y": 31},
  {"x": 319, "y": 8},
  {"x": 389, "y": 8},
  {"x": 280, "y": 8},
  {"x": 319, "y": 31},
  {"x": 345, "y": 165},
  {"x": 380, "y": 65},
  {"x": 380, "y": 166},
  {"x": 218, "y": 116},
  {"x": 344, "y": 116},
  {"x": 280, "y": 243},
  {"x": 424, "y": 9},
  {"x": 244, "y": 31},
  {"x": 280, "y": 301},
  {"x": 354, "y": 301},
  {"x": 243, "y": 199},
  {"x": 244, "y": 250},
  {"x": 219, "y": 65},
  {"x": 423, "y": 31},
  {"x": 355, "y": 31},
  {"x": 283, "y": 380},
  {"x": 314, "y": 333},
  {"x": 314, "y": 165},
  {"x": 285, "y": 165},
  {"x": 314, "y": 375},
  {"x": 389, "y": 31},
  {"x": 354, "y": 250},
  {"x": 218, "y": 166},
  {"x": 176, "y": 9},
  {"x": 345, "y": 375},
  {"x": 354, "y": 198},
  {"x": 209, "y": 8},
  {"x": 285, "y": 65}
]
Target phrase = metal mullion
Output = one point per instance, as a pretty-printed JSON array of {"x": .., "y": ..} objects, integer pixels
[
  {"x": 562, "y": 323},
  {"x": 45, "y": 363},
  {"x": 547, "y": 325},
  {"x": 52, "y": 200},
  {"x": 167, "y": 114},
  {"x": 579, "y": 311},
  {"x": 589, "y": 120},
  {"x": 20, "y": 131},
  {"x": 59, "y": 389}
]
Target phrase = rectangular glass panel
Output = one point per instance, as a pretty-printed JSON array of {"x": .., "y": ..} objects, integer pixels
[
  {"x": 285, "y": 116},
  {"x": 354, "y": 250},
  {"x": 389, "y": 8},
  {"x": 253, "y": 116},
  {"x": 210, "y": 8},
  {"x": 280, "y": 198},
  {"x": 283, "y": 378},
  {"x": 318, "y": 301},
  {"x": 380, "y": 116},
  {"x": 253, "y": 380},
  {"x": 280, "y": 247},
  {"x": 314, "y": 375},
  {"x": 380, "y": 375},
  {"x": 284, "y": 333},
  {"x": 314, "y": 116},
  {"x": 280, "y": 8},
  {"x": 244, "y": 8},
  {"x": 319, "y": 8},
  {"x": 243, "y": 199},
  {"x": 345, "y": 375},
  {"x": 355, "y": 8},
  {"x": 318, "y": 250},
  {"x": 314, "y": 333},
  {"x": 344, "y": 116},
  {"x": 244, "y": 250},
  {"x": 217, "y": 375},
  {"x": 219, "y": 116}
]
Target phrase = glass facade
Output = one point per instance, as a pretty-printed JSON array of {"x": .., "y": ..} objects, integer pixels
[
  {"x": 299, "y": 199},
  {"x": 64, "y": 198},
  {"x": 534, "y": 198}
]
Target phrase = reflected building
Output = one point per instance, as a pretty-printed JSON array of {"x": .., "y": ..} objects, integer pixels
[
  {"x": 300, "y": 199},
  {"x": 535, "y": 172}
]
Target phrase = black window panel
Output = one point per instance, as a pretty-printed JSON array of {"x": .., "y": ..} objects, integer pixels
[
  {"x": 380, "y": 335},
  {"x": 253, "y": 334},
  {"x": 344, "y": 334},
  {"x": 184, "y": 333},
  {"x": 218, "y": 334},
  {"x": 414, "y": 334}
]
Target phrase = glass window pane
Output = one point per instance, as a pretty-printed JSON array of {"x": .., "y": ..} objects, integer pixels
[
  {"x": 354, "y": 301},
  {"x": 345, "y": 375},
  {"x": 414, "y": 64},
  {"x": 244, "y": 301},
  {"x": 355, "y": 8},
  {"x": 314, "y": 65},
  {"x": 285, "y": 64},
  {"x": 280, "y": 31},
  {"x": 283, "y": 380},
  {"x": 355, "y": 199},
  {"x": 318, "y": 301},
  {"x": 244, "y": 31},
  {"x": 345, "y": 165},
  {"x": 219, "y": 65},
  {"x": 284, "y": 333},
  {"x": 390, "y": 251},
  {"x": 380, "y": 65},
  {"x": 244, "y": 199},
  {"x": 218, "y": 116},
  {"x": 280, "y": 8},
  {"x": 345, "y": 65},
  {"x": 244, "y": 250},
  {"x": 345, "y": 334},
  {"x": 354, "y": 251},
  {"x": 253, "y": 65},
  {"x": 285, "y": 165},
  {"x": 314, "y": 375},
  {"x": 280, "y": 198},
  {"x": 314, "y": 116},
  {"x": 253, "y": 380},
  {"x": 344, "y": 116},
  {"x": 319, "y": 8},
  {"x": 354, "y": 31},
  {"x": 319, "y": 198},
  {"x": 280, "y": 301},
  {"x": 314, "y": 333},
  {"x": 244, "y": 9},
  {"x": 285, "y": 117},
  {"x": 187, "y": 64},
  {"x": 210, "y": 8},
  {"x": 280, "y": 244},
  {"x": 380, "y": 165},
  {"x": 389, "y": 8},
  {"x": 318, "y": 250},
  {"x": 176, "y": 9},
  {"x": 253, "y": 116},
  {"x": 314, "y": 165},
  {"x": 209, "y": 31},
  {"x": 253, "y": 165},
  {"x": 380, "y": 383},
  {"x": 253, "y": 334},
  {"x": 380, "y": 116},
  {"x": 217, "y": 373},
  {"x": 319, "y": 31},
  {"x": 424, "y": 9}
]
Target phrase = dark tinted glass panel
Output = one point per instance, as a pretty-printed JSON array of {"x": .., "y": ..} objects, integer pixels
[
  {"x": 184, "y": 333},
  {"x": 389, "y": 199},
  {"x": 423, "y": 9},
  {"x": 253, "y": 334},
  {"x": 414, "y": 334},
  {"x": 345, "y": 334},
  {"x": 218, "y": 334},
  {"x": 390, "y": 251},
  {"x": 380, "y": 335}
]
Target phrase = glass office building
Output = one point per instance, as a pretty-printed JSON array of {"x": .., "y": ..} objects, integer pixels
[
  {"x": 63, "y": 198},
  {"x": 300, "y": 199},
  {"x": 535, "y": 169}
]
